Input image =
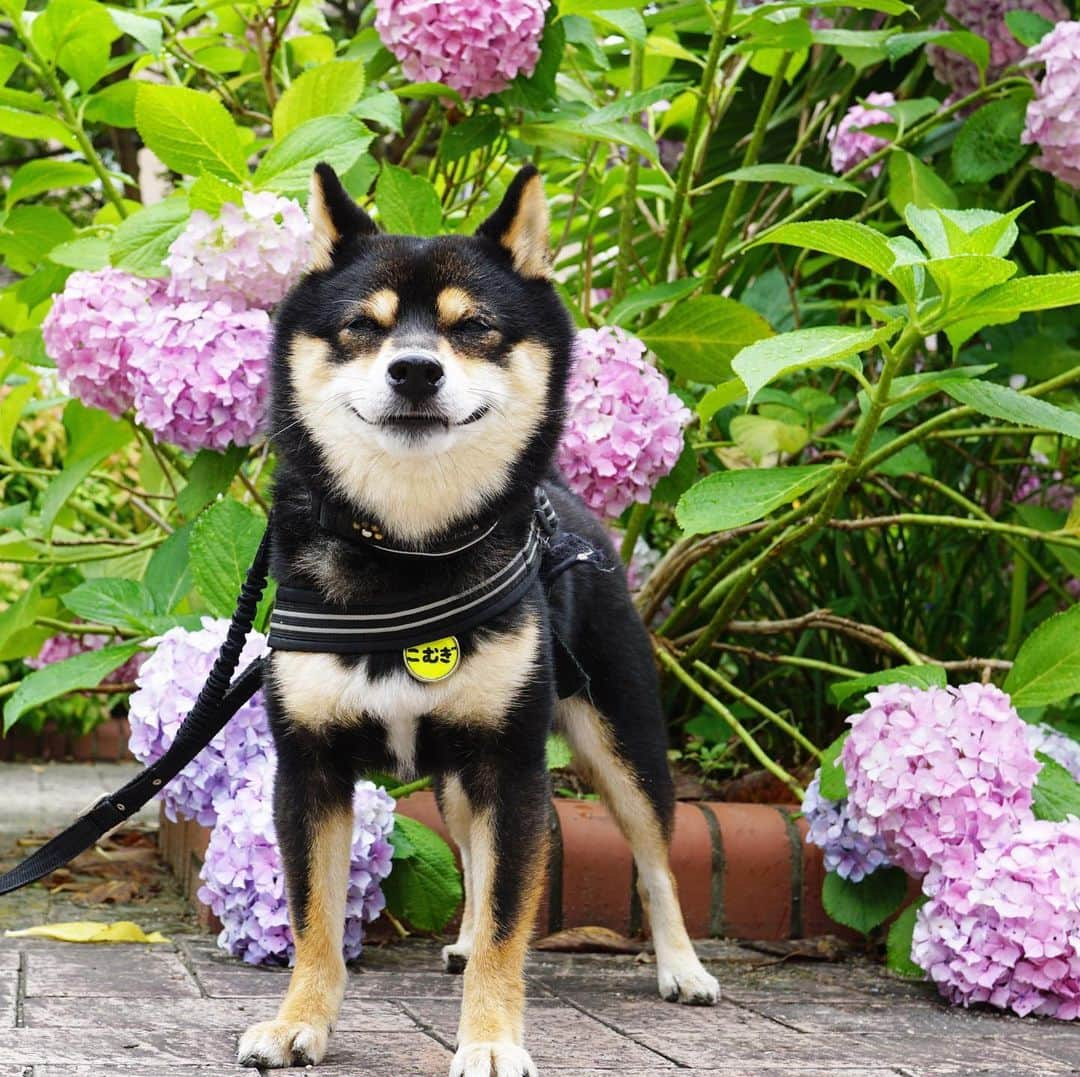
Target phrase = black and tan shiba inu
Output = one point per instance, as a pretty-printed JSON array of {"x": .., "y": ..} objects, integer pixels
[{"x": 418, "y": 392}]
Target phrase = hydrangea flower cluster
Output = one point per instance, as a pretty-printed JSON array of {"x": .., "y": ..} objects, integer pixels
[
  {"x": 475, "y": 46},
  {"x": 244, "y": 878},
  {"x": 624, "y": 427},
  {"x": 168, "y": 684},
  {"x": 62, "y": 646},
  {"x": 987, "y": 19},
  {"x": 1051, "y": 121},
  {"x": 849, "y": 143},
  {"x": 250, "y": 254},
  {"x": 850, "y": 853},
  {"x": 934, "y": 770},
  {"x": 1006, "y": 929},
  {"x": 87, "y": 333}
]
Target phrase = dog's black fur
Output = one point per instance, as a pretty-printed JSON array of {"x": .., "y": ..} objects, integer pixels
[{"x": 489, "y": 772}]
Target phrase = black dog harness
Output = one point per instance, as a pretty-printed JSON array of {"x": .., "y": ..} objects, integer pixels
[{"x": 303, "y": 621}]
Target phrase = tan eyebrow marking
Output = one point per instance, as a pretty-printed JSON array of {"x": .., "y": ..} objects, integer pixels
[
  {"x": 453, "y": 305},
  {"x": 382, "y": 306}
]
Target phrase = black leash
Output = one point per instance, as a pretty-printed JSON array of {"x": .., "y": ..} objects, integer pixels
[{"x": 220, "y": 698}]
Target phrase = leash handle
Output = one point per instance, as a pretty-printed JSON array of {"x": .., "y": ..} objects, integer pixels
[{"x": 218, "y": 700}]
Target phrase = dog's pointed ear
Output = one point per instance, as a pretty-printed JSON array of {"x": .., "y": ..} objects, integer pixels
[
  {"x": 521, "y": 223},
  {"x": 335, "y": 218}
]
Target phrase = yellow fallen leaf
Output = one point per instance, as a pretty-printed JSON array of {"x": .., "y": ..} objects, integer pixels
[{"x": 89, "y": 931}]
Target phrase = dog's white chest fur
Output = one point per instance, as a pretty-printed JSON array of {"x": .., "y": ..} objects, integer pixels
[{"x": 318, "y": 691}]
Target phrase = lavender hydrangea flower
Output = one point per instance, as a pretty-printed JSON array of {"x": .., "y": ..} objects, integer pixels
[
  {"x": 250, "y": 254},
  {"x": 624, "y": 427},
  {"x": 199, "y": 372},
  {"x": 849, "y": 143},
  {"x": 87, "y": 334},
  {"x": 244, "y": 878},
  {"x": 168, "y": 684},
  {"x": 1034, "y": 486},
  {"x": 1053, "y": 117},
  {"x": 475, "y": 46},
  {"x": 850, "y": 853},
  {"x": 1005, "y": 929},
  {"x": 987, "y": 19},
  {"x": 932, "y": 770},
  {"x": 1059, "y": 746}
]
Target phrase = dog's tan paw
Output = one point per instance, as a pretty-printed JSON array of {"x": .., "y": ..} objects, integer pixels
[
  {"x": 492, "y": 1060},
  {"x": 689, "y": 983},
  {"x": 456, "y": 957},
  {"x": 282, "y": 1043}
]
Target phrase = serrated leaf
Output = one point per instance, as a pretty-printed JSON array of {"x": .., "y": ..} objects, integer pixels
[
  {"x": 76, "y": 35},
  {"x": 223, "y": 544},
  {"x": 767, "y": 440},
  {"x": 287, "y": 165},
  {"x": 472, "y": 133},
  {"x": 975, "y": 48},
  {"x": 140, "y": 242},
  {"x": 720, "y": 396},
  {"x": 407, "y": 203},
  {"x": 729, "y": 499},
  {"x": 916, "y": 676},
  {"x": 911, "y": 183},
  {"x": 147, "y": 32},
  {"x": 1001, "y": 402},
  {"x": 833, "y": 783},
  {"x": 31, "y": 126},
  {"x": 962, "y": 276},
  {"x": 794, "y": 175},
  {"x": 1028, "y": 27},
  {"x": 643, "y": 299},
  {"x": 36, "y": 177},
  {"x": 1047, "y": 667},
  {"x": 424, "y": 887},
  {"x": 168, "y": 573},
  {"x": 321, "y": 91},
  {"x": 864, "y": 905},
  {"x": 90, "y": 252},
  {"x": 209, "y": 193},
  {"x": 558, "y": 753},
  {"x": 383, "y": 108},
  {"x": 123, "y": 603},
  {"x": 1056, "y": 795},
  {"x": 898, "y": 943},
  {"x": 1008, "y": 301},
  {"x": 209, "y": 475},
  {"x": 988, "y": 144}
]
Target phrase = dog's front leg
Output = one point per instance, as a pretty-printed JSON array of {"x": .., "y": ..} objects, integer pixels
[
  {"x": 313, "y": 818},
  {"x": 508, "y": 854}
]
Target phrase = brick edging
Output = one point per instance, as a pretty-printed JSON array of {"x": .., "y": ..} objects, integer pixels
[{"x": 105, "y": 743}]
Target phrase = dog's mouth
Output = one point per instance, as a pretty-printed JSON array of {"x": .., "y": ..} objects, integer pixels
[{"x": 420, "y": 422}]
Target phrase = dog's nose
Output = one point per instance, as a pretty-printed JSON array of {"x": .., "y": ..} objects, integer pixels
[{"x": 415, "y": 377}]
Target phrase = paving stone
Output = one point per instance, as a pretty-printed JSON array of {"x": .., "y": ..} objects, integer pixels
[
  {"x": 68, "y": 970},
  {"x": 111, "y": 1069},
  {"x": 137, "y": 1048},
  {"x": 353, "y": 1054}
]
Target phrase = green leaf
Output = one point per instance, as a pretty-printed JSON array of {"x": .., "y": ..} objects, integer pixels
[
  {"x": 92, "y": 436},
  {"x": 223, "y": 544},
  {"x": 805, "y": 349},
  {"x": 29, "y": 233},
  {"x": 288, "y": 164},
  {"x": 766, "y": 440},
  {"x": 962, "y": 276},
  {"x": 796, "y": 175},
  {"x": 31, "y": 126},
  {"x": 12, "y": 407},
  {"x": 864, "y": 905},
  {"x": 913, "y": 183},
  {"x": 653, "y": 295},
  {"x": 113, "y": 105},
  {"x": 630, "y": 104},
  {"x": 407, "y": 203},
  {"x": 625, "y": 21},
  {"x": 833, "y": 779},
  {"x": 898, "y": 943},
  {"x": 1008, "y": 301},
  {"x": 147, "y": 32},
  {"x": 424, "y": 887},
  {"x": 472, "y": 133},
  {"x": 559, "y": 756},
  {"x": 1047, "y": 667},
  {"x": 124, "y": 603},
  {"x": 190, "y": 131},
  {"x": 699, "y": 338},
  {"x": 1028, "y": 27},
  {"x": 209, "y": 193},
  {"x": 945, "y": 232},
  {"x": 20, "y": 614},
  {"x": 727, "y": 499},
  {"x": 1057, "y": 793},
  {"x": 322, "y": 91},
  {"x": 975, "y": 48},
  {"x": 34, "y": 177},
  {"x": 140, "y": 242},
  {"x": 90, "y": 253},
  {"x": 916, "y": 676},
  {"x": 988, "y": 144},
  {"x": 720, "y": 396},
  {"x": 383, "y": 108},
  {"x": 209, "y": 475},
  {"x": 76, "y": 34},
  {"x": 86, "y": 670},
  {"x": 1001, "y": 402},
  {"x": 168, "y": 574}
]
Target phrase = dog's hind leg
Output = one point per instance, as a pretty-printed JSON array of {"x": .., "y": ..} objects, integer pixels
[
  {"x": 457, "y": 813},
  {"x": 313, "y": 818},
  {"x": 626, "y": 762}
]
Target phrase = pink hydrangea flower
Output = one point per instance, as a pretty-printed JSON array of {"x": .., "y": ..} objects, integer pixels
[
  {"x": 1053, "y": 117},
  {"x": 1005, "y": 928},
  {"x": 168, "y": 683},
  {"x": 475, "y": 46},
  {"x": 624, "y": 427},
  {"x": 62, "y": 646},
  {"x": 87, "y": 334},
  {"x": 244, "y": 878},
  {"x": 251, "y": 254},
  {"x": 935, "y": 770},
  {"x": 849, "y": 143},
  {"x": 987, "y": 19},
  {"x": 199, "y": 372}
]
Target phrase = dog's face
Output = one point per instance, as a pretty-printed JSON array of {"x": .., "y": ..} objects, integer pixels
[{"x": 424, "y": 370}]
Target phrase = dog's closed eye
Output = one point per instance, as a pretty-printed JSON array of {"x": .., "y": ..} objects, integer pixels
[
  {"x": 475, "y": 323},
  {"x": 364, "y": 323}
]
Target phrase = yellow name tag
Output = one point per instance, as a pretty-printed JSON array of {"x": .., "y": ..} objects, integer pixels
[{"x": 433, "y": 661}]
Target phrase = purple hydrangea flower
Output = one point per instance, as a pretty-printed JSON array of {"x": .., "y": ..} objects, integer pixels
[
  {"x": 1060, "y": 747},
  {"x": 87, "y": 334},
  {"x": 1053, "y": 117},
  {"x": 1004, "y": 929},
  {"x": 850, "y": 853},
  {"x": 199, "y": 372},
  {"x": 475, "y": 46},
  {"x": 931, "y": 770},
  {"x": 1035, "y": 486},
  {"x": 244, "y": 879},
  {"x": 250, "y": 254},
  {"x": 849, "y": 143},
  {"x": 624, "y": 427},
  {"x": 987, "y": 19},
  {"x": 168, "y": 683}
]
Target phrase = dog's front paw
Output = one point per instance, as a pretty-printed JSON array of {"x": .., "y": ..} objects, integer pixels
[
  {"x": 688, "y": 982},
  {"x": 456, "y": 957},
  {"x": 282, "y": 1043},
  {"x": 492, "y": 1060}
]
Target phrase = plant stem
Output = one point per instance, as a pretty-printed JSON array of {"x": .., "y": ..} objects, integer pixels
[
  {"x": 411, "y": 787},
  {"x": 638, "y": 515},
  {"x": 628, "y": 218}
]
